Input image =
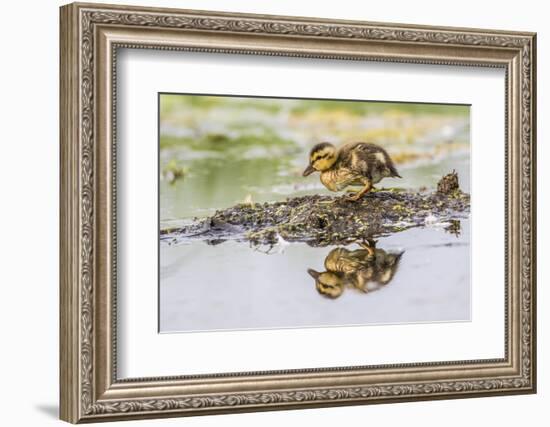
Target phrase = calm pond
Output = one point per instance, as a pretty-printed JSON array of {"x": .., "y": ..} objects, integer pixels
[{"x": 258, "y": 156}]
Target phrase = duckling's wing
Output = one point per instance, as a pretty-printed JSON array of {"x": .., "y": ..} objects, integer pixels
[
  {"x": 349, "y": 154},
  {"x": 368, "y": 159}
]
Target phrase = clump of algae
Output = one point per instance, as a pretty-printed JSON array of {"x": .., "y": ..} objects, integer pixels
[{"x": 330, "y": 220}]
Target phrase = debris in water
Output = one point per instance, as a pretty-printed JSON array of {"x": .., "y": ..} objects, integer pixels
[
  {"x": 328, "y": 220},
  {"x": 448, "y": 184}
]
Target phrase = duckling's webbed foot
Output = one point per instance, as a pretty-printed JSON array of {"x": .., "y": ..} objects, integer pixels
[
  {"x": 353, "y": 197},
  {"x": 356, "y": 196},
  {"x": 369, "y": 245}
]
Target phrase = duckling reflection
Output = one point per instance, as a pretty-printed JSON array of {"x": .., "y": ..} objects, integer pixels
[{"x": 365, "y": 269}]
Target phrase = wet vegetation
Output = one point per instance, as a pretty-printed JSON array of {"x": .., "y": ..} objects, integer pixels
[{"x": 328, "y": 220}]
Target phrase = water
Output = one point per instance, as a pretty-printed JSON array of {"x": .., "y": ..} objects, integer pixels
[
  {"x": 231, "y": 286},
  {"x": 258, "y": 154}
]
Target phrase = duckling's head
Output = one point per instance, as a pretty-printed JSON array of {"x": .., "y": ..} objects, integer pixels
[
  {"x": 321, "y": 158},
  {"x": 327, "y": 284}
]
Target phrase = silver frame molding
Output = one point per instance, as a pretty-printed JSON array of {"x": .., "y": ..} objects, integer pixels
[{"x": 90, "y": 37}]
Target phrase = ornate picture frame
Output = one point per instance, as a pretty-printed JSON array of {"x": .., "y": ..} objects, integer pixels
[{"x": 90, "y": 37}]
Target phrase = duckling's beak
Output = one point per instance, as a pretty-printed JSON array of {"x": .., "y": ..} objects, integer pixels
[
  {"x": 308, "y": 171},
  {"x": 313, "y": 273}
]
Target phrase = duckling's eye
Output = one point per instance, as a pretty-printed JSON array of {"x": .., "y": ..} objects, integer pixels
[{"x": 320, "y": 157}]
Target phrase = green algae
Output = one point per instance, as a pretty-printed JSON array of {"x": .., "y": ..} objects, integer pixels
[{"x": 328, "y": 220}]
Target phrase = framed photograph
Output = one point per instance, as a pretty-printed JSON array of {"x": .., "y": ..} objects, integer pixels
[{"x": 267, "y": 212}]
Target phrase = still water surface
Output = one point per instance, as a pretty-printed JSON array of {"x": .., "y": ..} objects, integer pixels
[{"x": 230, "y": 286}]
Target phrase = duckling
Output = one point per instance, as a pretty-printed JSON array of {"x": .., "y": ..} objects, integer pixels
[
  {"x": 364, "y": 269},
  {"x": 356, "y": 163}
]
